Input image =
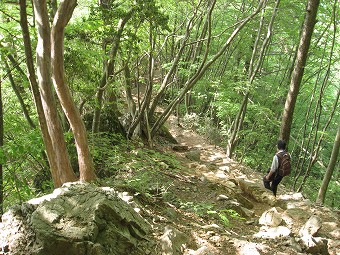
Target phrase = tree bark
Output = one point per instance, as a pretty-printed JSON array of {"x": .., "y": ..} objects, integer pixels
[
  {"x": 305, "y": 39},
  {"x": 65, "y": 171},
  {"x": 36, "y": 96},
  {"x": 330, "y": 169},
  {"x": 252, "y": 72},
  {"x": 1, "y": 144},
  {"x": 18, "y": 94},
  {"x": 62, "y": 17},
  {"x": 108, "y": 70}
]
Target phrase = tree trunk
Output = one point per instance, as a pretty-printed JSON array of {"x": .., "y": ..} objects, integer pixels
[
  {"x": 64, "y": 13},
  {"x": 318, "y": 112},
  {"x": 18, "y": 94},
  {"x": 1, "y": 144},
  {"x": 206, "y": 63},
  {"x": 36, "y": 96},
  {"x": 330, "y": 169},
  {"x": 108, "y": 70},
  {"x": 65, "y": 172},
  {"x": 252, "y": 72},
  {"x": 305, "y": 39}
]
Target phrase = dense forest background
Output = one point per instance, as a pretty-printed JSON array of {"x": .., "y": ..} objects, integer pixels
[{"x": 224, "y": 68}]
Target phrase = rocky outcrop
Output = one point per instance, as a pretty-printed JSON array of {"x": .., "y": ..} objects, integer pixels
[
  {"x": 305, "y": 227},
  {"x": 76, "y": 219}
]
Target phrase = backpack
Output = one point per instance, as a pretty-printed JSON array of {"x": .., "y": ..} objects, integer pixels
[{"x": 284, "y": 163}]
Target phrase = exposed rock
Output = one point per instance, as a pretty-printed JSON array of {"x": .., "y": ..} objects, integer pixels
[
  {"x": 305, "y": 204},
  {"x": 172, "y": 241},
  {"x": 273, "y": 233},
  {"x": 194, "y": 155},
  {"x": 291, "y": 242},
  {"x": 212, "y": 227},
  {"x": 245, "y": 247},
  {"x": 203, "y": 168},
  {"x": 222, "y": 197},
  {"x": 271, "y": 218},
  {"x": 316, "y": 245},
  {"x": 334, "y": 247},
  {"x": 311, "y": 227},
  {"x": 77, "y": 218},
  {"x": 180, "y": 148},
  {"x": 298, "y": 215},
  {"x": 245, "y": 201},
  {"x": 253, "y": 190},
  {"x": 230, "y": 184},
  {"x": 335, "y": 234},
  {"x": 204, "y": 250},
  {"x": 246, "y": 212}
]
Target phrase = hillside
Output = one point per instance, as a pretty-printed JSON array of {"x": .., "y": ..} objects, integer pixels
[{"x": 211, "y": 205}]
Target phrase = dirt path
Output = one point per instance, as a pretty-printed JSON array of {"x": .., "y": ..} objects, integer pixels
[
  {"x": 208, "y": 181},
  {"x": 211, "y": 187}
]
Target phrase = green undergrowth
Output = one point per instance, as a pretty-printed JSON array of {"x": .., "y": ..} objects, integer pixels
[
  {"x": 208, "y": 211},
  {"x": 114, "y": 155}
]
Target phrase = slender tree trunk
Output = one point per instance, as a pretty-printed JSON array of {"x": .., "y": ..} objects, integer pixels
[
  {"x": 1, "y": 144},
  {"x": 330, "y": 169},
  {"x": 318, "y": 112},
  {"x": 36, "y": 96},
  {"x": 65, "y": 171},
  {"x": 300, "y": 63},
  {"x": 18, "y": 94},
  {"x": 108, "y": 70},
  {"x": 128, "y": 90},
  {"x": 203, "y": 67},
  {"x": 85, "y": 162},
  {"x": 150, "y": 84},
  {"x": 254, "y": 68}
]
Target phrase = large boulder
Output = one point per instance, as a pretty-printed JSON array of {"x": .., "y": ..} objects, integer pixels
[{"x": 78, "y": 218}]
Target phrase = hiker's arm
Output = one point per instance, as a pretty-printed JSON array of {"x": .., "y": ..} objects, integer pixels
[{"x": 273, "y": 168}]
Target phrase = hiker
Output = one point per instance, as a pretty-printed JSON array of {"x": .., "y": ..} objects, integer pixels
[{"x": 280, "y": 168}]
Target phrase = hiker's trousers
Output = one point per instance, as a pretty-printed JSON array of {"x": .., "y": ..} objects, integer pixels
[{"x": 272, "y": 183}]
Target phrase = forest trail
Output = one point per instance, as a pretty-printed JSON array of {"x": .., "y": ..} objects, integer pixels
[
  {"x": 214, "y": 172},
  {"x": 212, "y": 182}
]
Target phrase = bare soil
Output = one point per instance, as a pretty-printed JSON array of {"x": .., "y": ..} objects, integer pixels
[{"x": 198, "y": 187}]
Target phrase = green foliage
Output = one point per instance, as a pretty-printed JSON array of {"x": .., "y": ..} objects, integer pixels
[
  {"x": 23, "y": 161},
  {"x": 113, "y": 155},
  {"x": 226, "y": 214},
  {"x": 203, "y": 210}
]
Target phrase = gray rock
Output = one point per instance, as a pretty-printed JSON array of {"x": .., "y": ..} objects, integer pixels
[
  {"x": 311, "y": 227},
  {"x": 222, "y": 197},
  {"x": 194, "y": 155},
  {"x": 172, "y": 241},
  {"x": 78, "y": 218},
  {"x": 271, "y": 218},
  {"x": 273, "y": 233}
]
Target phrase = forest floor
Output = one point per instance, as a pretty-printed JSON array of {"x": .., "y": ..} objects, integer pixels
[{"x": 197, "y": 200}]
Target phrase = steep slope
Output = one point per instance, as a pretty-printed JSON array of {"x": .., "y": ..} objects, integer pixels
[{"x": 210, "y": 205}]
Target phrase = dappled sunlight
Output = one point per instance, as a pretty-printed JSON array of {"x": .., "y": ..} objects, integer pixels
[
  {"x": 292, "y": 196},
  {"x": 266, "y": 232},
  {"x": 216, "y": 156},
  {"x": 224, "y": 168},
  {"x": 221, "y": 174},
  {"x": 247, "y": 248}
]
